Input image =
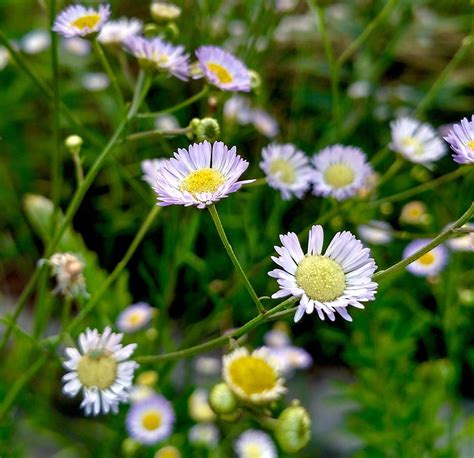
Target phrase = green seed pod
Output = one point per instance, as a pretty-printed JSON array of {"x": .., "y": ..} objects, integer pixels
[
  {"x": 222, "y": 400},
  {"x": 293, "y": 428}
]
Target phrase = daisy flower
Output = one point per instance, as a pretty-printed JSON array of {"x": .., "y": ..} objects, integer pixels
[
  {"x": 150, "y": 168},
  {"x": 163, "y": 11},
  {"x": 415, "y": 141},
  {"x": 204, "y": 434},
  {"x": 277, "y": 338},
  {"x": 151, "y": 420},
  {"x": 414, "y": 212},
  {"x": 68, "y": 271},
  {"x": 135, "y": 317},
  {"x": 291, "y": 358},
  {"x": 430, "y": 263},
  {"x": 79, "y": 21},
  {"x": 328, "y": 282},
  {"x": 36, "y": 41},
  {"x": 287, "y": 169},
  {"x": 200, "y": 176},
  {"x": 222, "y": 69},
  {"x": 158, "y": 54},
  {"x": 462, "y": 242},
  {"x": 341, "y": 171},
  {"x": 255, "y": 444},
  {"x": 168, "y": 452},
  {"x": 113, "y": 33},
  {"x": 376, "y": 232},
  {"x": 100, "y": 368},
  {"x": 207, "y": 365},
  {"x": 461, "y": 140},
  {"x": 265, "y": 123},
  {"x": 95, "y": 81},
  {"x": 253, "y": 377},
  {"x": 237, "y": 109}
]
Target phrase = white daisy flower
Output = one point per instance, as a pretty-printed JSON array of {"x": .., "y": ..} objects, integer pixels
[
  {"x": 461, "y": 140},
  {"x": 200, "y": 176},
  {"x": 253, "y": 377},
  {"x": 114, "y": 33},
  {"x": 135, "y": 317},
  {"x": 100, "y": 369},
  {"x": 151, "y": 420},
  {"x": 150, "y": 168},
  {"x": 164, "y": 11},
  {"x": 198, "y": 405},
  {"x": 414, "y": 212},
  {"x": 68, "y": 271},
  {"x": 376, "y": 232},
  {"x": 462, "y": 242},
  {"x": 255, "y": 444},
  {"x": 430, "y": 263},
  {"x": 95, "y": 81},
  {"x": 265, "y": 123},
  {"x": 287, "y": 169},
  {"x": 341, "y": 171},
  {"x": 36, "y": 41},
  {"x": 328, "y": 282},
  {"x": 79, "y": 21},
  {"x": 204, "y": 434},
  {"x": 415, "y": 141},
  {"x": 77, "y": 46}
]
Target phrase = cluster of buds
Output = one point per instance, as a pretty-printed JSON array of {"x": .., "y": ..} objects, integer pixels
[{"x": 204, "y": 129}]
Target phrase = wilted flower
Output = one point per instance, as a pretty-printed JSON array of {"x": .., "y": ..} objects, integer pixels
[
  {"x": 100, "y": 368},
  {"x": 114, "y": 33},
  {"x": 461, "y": 140},
  {"x": 36, "y": 41},
  {"x": 376, "y": 232},
  {"x": 415, "y": 212},
  {"x": 293, "y": 428},
  {"x": 204, "y": 434},
  {"x": 431, "y": 263},
  {"x": 135, "y": 317},
  {"x": 68, "y": 271},
  {"x": 79, "y": 21},
  {"x": 253, "y": 443},
  {"x": 199, "y": 409}
]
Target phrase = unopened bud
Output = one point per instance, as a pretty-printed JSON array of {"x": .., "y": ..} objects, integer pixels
[
  {"x": 148, "y": 378},
  {"x": 204, "y": 129},
  {"x": 151, "y": 30},
  {"x": 74, "y": 143},
  {"x": 130, "y": 447},
  {"x": 163, "y": 12},
  {"x": 168, "y": 452},
  {"x": 222, "y": 400},
  {"x": 293, "y": 428}
]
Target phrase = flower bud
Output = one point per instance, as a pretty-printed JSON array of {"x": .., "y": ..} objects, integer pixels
[
  {"x": 151, "y": 334},
  {"x": 150, "y": 30},
  {"x": 164, "y": 12},
  {"x": 148, "y": 378},
  {"x": 168, "y": 452},
  {"x": 293, "y": 428},
  {"x": 74, "y": 143},
  {"x": 204, "y": 129},
  {"x": 130, "y": 447},
  {"x": 222, "y": 399}
]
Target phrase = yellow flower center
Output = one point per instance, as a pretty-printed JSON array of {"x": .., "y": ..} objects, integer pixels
[
  {"x": 471, "y": 144},
  {"x": 283, "y": 170},
  {"x": 414, "y": 144},
  {"x": 321, "y": 278},
  {"x": 252, "y": 375},
  {"x": 97, "y": 369},
  {"x": 222, "y": 73},
  {"x": 162, "y": 60},
  {"x": 339, "y": 175},
  {"x": 427, "y": 259},
  {"x": 151, "y": 420},
  {"x": 135, "y": 318},
  {"x": 252, "y": 451},
  {"x": 202, "y": 180},
  {"x": 168, "y": 452},
  {"x": 86, "y": 22}
]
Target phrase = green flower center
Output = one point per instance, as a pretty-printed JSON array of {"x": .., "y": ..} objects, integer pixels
[
  {"x": 222, "y": 73},
  {"x": 339, "y": 175},
  {"x": 97, "y": 369},
  {"x": 252, "y": 375},
  {"x": 89, "y": 21},
  {"x": 414, "y": 144},
  {"x": 283, "y": 170},
  {"x": 321, "y": 278},
  {"x": 202, "y": 180}
]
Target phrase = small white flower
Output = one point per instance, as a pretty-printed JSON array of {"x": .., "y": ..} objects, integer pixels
[
  {"x": 166, "y": 122},
  {"x": 163, "y": 11},
  {"x": 79, "y": 21},
  {"x": 135, "y": 317},
  {"x": 115, "y": 32},
  {"x": 237, "y": 109},
  {"x": 207, "y": 365},
  {"x": 36, "y": 41},
  {"x": 100, "y": 368},
  {"x": 376, "y": 232},
  {"x": 95, "y": 81},
  {"x": 255, "y": 444},
  {"x": 204, "y": 434},
  {"x": 430, "y": 263},
  {"x": 277, "y": 338},
  {"x": 414, "y": 212},
  {"x": 77, "y": 46},
  {"x": 291, "y": 358}
]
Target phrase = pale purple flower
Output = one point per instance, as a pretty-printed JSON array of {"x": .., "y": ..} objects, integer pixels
[
  {"x": 431, "y": 263},
  {"x": 265, "y": 123},
  {"x": 135, "y": 317},
  {"x": 461, "y": 140},
  {"x": 376, "y": 232},
  {"x": 80, "y": 21},
  {"x": 150, "y": 168}
]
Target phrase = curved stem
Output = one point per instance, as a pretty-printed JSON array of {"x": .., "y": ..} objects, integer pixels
[
  {"x": 157, "y": 133},
  {"x": 233, "y": 258}
]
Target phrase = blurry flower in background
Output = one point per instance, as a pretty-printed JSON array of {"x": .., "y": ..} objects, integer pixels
[
  {"x": 100, "y": 368},
  {"x": 201, "y": 176},
  {"x": 287, "y": 169},
  {"x": 253, "y": 443},
  {"x": 341, "y": 171},
  {"x": 328, "y": 283},
  {"x": 35, "y": 41},
  {"x": 163, "y": 11},
  {"x": 113, "y": 33},
  {"x": 168, "y": 452},
  {"x": 376, "y": 232},
  {"x": 166, "y": 122},
  {"x": 198, "y": 405},
  {"x": 4, "y": 57},
  {"x": 283, "y": 6},
  {"x": 462, "y": 242},
  {"x": 135, "y": 317},
  {"x": 150, "y": 168},
  {"x": 359, "y": 89},
  {"x": 204, "y": 434},
  {"x": 237, "y": 109},
  {"x": 151, "y": 420},
  {"x": 207, "y": 365},
  {"x": 79, "y": 21},
  {"x": 222, "y": 69},
  {"x": 291, "y": 358},
  {"x": 277, "y": 337},
  {"x": 95, "y": 82},
  {"x": 253, "y": 377},
  {"x": 157, "y": 54},
  {"x": 295, "y": 27},
  {"x": 415, "y": 141},
  {"x": 141, "y": 392},
  {"x": 68, "y": 270},
  {"x": 77, "y": 46},
  {"x": 461, "y": 140},
  {"x": 265, "y": 123},
  {"x": 415, "y": 212},
  {"x": 429, "y": 264}
]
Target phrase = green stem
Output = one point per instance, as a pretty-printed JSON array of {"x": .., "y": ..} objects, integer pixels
[
  {"x": 157, "y": 133},
  {"x": 218, "y": 341},
  {"x": 391, "y": 171},
  {"x": 78, "y": 169},
  {"x": 233, "y": 258}
]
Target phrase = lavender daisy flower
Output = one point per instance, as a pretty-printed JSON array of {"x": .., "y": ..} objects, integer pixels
[
  {"x": 341, "y": 171},
  {"x": 291, "y": 358},
  {"x": 158, "y": 54},
  {"x": 287, "y": 169},
  {"x": 376, "y": 232},
  {"x": 135, "y": 317},
  {"x": 223, "y": 69},
  {"x": 328, "y": 282},
  {"x": 200, "y": 176},
  {"x": 265, "y": 123},
  {"x": 151, "y": 420},
  {"x": 237, "y": 109},
  {"x": 79, "y": 21},
  {"x": 461, "y": 140},
  {"x": 415, "y": 141},
  {"x": 430, "y": 263},
  {"x": 114, "y": 33},
  {"x": 150, "y": 168}
]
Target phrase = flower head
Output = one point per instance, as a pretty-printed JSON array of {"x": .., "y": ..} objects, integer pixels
[
  {"x": 461, "y": 140},
  {"x": 157, "y": 54},
  {"x": 414, "y": 212},
  {"x": 135, "y": 317},
  {"x": 36, "y": 41},
  {"x": 340, "y": 172},
  {"x": 430, "y": 263},
  {"x": 265, "y": 123},
  {"x": 77, "y": 46},
  {"x": 204, "y": 434},
  {"x": 376, "y": 232},
  {"x": 100, "y": 368},
  {"x": 95, "y": 81},
  {"x": 223, "y": 69},
  {"x": 277, "y": 338},
  {"x": 328, "y": 282},
  {"x": 114, "y": 33},
  {"x": 415, "y": 141},
  {"x": 79, "y": 21},
  {"x": 168, "y": 452},
  {"x": 150, "y": 168},
  {"x": 291, "y": 358},
  {"x": 255, "y": 444},
  {"x": 151, "y": 420},
  {"x": 287, "y": 169},
  {"x": 237, "y": 109},
  {"x": 68, "y": 270},
  {"x": 200, "y": 176},
  {"x": 253, "y": 377},
  {"x": 163, "y": 11}
]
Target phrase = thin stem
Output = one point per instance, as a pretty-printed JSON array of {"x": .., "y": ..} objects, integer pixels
[
  {"x": 157, "y": 133},
  {"x": 78, "y": 168},
  {"x": 177, "y": 107},
  {"x": 233, "y": 258},
  {"x": 434, "y": 243},
  {"x": 391, "y": 171},
  {"x": 218, "y": 341}
]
